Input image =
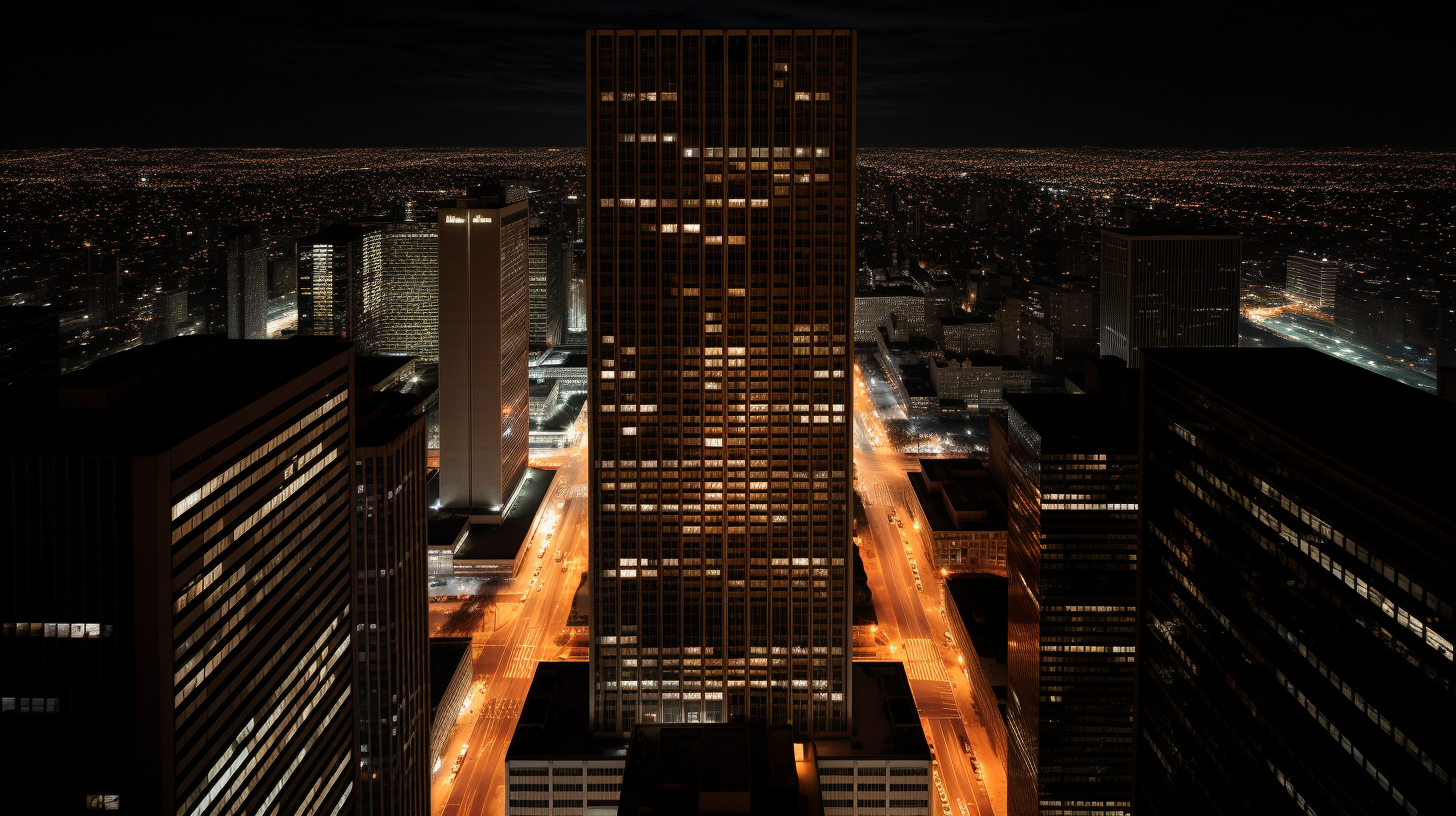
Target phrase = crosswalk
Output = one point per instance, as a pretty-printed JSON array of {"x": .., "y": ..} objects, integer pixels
[
  {"x": 523, "y": 661},
  {"x": 924, "y": 662},
  {"x": 497, "y": 708}
]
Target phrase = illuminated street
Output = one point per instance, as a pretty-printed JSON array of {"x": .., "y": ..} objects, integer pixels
[
  {"x": 506, "y": 660},
  {"x": 912, "y": 621}
]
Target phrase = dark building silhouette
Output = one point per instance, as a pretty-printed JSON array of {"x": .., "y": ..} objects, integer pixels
[
  {"x": 1167, "y": 287},
  {"x": 1295, "y": 633},
  {"x": 30, "y": 344},
  {"x": 329, "y": 294},
  {"x": 721, "y": 206},
  {"x": 177, "y": 580},
  {"x": 247, "y": 291},
  {"x": 549, "y": 260},
  {"x": 390, "y": 608},
  {"x": 1071, "y": 464}
]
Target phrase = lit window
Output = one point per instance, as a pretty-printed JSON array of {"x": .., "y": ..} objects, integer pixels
[
  {"x": 668, "y": 96},
  {"x": 713, "y": 152},
  {"x": 647, "y": 202},
  {"x": 690, "y": 152},
  {"x": 628, "y": 96},
  {"x": 608, "y": 96},
  {"x": 690, "y": 227},
  {"x": 649, "y": 96},
  {"x": 632, "y": 202},
  {"x": 669, "y": 137},
  {"x": 713, "y": 178},
  {"x": 629, "y": 431},
  {"x": 735, "y": 239},
  {"x": 608, "y": 202},
  {"x": 648, "y": 137},
  {"x": 759, "y": 202},
  {"x": 737, "y": 202},
  {"x": 821, "y": 152},
  {"x": 669, "y": 228},
  {"x": 821, "y": 96},
  {"x": 713, "y": 239},
  {"x": 803, "y": 96},
  {"x": 626, "y": 137},
  {"x": 607, "y": 338}
]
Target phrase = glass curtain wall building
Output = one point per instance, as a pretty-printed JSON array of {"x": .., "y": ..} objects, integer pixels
[
  {"x": 1072, "y": 586},
  {"x": 1295, "y": 635},
  {"x": 721, "y": 210},
  {"x": 1165, "y": 288},
  {"x": 178, "y": 556},
  {"x": 399, "y": 297},
  {"x": 328, "y": 282},
  {"x": 549, "y": 260}
]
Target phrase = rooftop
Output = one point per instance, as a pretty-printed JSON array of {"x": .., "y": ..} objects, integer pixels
[
  {"x": 149, "y": 399},
  {"x": 555, "y": 722},
  {"x": 494, "y": 542},
  {"x": 1379, "y": 430},
  {"x": 689, "y": 768},
  {"x": 886, "y": 724},
  {"x": 1076, "y": 423}
]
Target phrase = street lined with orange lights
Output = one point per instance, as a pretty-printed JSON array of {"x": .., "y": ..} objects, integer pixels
[{"x": 896, "y": 561}]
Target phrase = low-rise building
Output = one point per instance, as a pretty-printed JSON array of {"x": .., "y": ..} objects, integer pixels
[
  {"x": 957, "y": 501},
  {"x": 452, "y": 670},
  {"x": 975, "y": 610}
]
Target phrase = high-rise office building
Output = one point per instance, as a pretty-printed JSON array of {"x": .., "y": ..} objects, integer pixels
[
  {"x": 550, "y": 255},
  {"x": 175, "y": 596},
  {"x": 102, "y": 294},
  {"x": 392, "y": 683},
  {"x": 1163, "y": 287},
  {"x": 398, "y": 291},
  {"x": 171, "y": 311},
  {"x": 329, "y": 274},
  {"x": 247, "y": 291},
  {"x": 1311, "y": 280},
  {"x": 1296, "y": 629},
  {"x": 484, "y": 351},
  {"x": 1071, "y": 465},
  {"x": 720, "y": 190}
]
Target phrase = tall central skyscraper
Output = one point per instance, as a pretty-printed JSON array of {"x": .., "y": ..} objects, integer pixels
[
  {"x": 721, "y": 211},
  {"x": 484, "y": 330}
]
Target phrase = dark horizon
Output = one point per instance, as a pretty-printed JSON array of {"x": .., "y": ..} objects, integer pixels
[{"x": 966, "y": 76}]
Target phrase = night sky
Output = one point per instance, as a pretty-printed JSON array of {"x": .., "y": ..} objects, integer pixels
[{"x": 966, "y": 74}]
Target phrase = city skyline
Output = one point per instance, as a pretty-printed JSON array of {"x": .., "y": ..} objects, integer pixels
[{"x": 713, "y": 462}]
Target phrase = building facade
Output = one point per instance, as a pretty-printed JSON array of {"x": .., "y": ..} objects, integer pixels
[
  {"x": 1295, "y": 633},
  {"x": 720, "y": 190},
  {"x": 391, "y": 627},
  {"x": 247, "y": 292},
  {"x": 399, "y": 303},
  {"x": 484, "y": 345},
  {"x": 1072, "y": 589},
  {"x": 187, "y": 648},
  {"x": 329, "y": 274},
  {"x": 549, "y": 260},
  {"x": 1162, "y": 288},
  {"x": 1311, "y": 280}
]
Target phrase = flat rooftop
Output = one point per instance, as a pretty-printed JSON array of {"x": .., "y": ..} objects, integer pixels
[
  {"x": 501, "y": 542},
  {"x": 1076, "y": 423},
  {"x": 886, "y": 724},
  {"x": 146, "y": 400},
  {"x": 555, "y": 722},
  {"x": 980, "y": 600},
  {"x": 690, "y": 768},
  {"x": 445, "y": 657},
  {"x": 1381, "y": 430}
]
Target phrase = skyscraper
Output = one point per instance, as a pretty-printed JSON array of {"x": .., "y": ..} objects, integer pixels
[
  {"x": 1296, "y": 629},
  {"x": 1168, "y": 288},
  {"x": 399, "y": 301},
  {"x": 390, "y": 608},
  {"x": 1311, "y": 280},
  {"x": 329, "y": 274},
  {"x": 720, "y": 190},
  {"x": 484, "y": 343},
  {"x": 177, "y": 582},
  {"x": 247, "y": 291},
  {"x": 549, "y": 258},
  {"x": 1071, "y": 463}
]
